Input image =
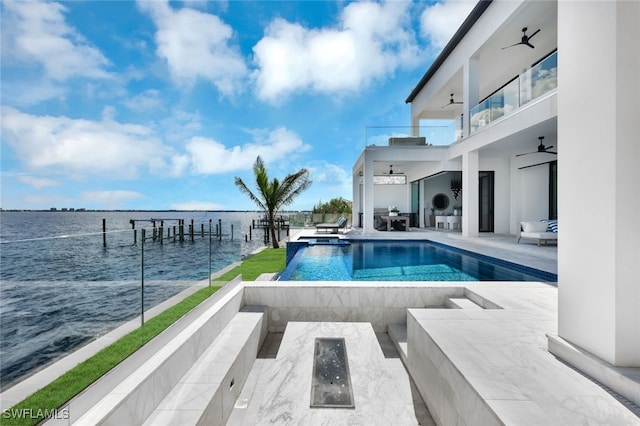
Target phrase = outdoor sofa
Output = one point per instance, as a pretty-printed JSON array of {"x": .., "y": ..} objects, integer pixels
[{"x": 544, "y": 231}]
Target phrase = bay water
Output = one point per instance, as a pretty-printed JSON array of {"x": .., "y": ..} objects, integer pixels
[{"x": 61, "y": 287}]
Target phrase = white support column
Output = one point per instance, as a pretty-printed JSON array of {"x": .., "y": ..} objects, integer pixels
[
  {"x": 415, "y": 126},
  {"x": 470, "y": 83},
  {"x": 355, "y": 208},
  {"x": 367, "y": 215},
  {"x": 514, "y": 198},
  {"x": 422, "y": 203},
  {"x": 470, "y": 194},
  {"x": 599, "y": 178}
]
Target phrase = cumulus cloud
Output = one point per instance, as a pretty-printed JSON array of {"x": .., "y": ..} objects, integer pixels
[
  {"x": 330, "y": 174},
  {"x": 145, "y": 101},
  {"x": 207, "y": 156},
  {"x": 37, "y": 182},
  {"x": 30, "y": 92},
  {"x": 36, "y": 32},
  {"x": 79, "y": 145},
  {"x": 370, "y": 41},
  {"x": 439, "y": 22},
  {"x": 196, "y": 45}
]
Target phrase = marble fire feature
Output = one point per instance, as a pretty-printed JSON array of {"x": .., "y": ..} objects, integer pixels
[{"x": 381, "y": 387}]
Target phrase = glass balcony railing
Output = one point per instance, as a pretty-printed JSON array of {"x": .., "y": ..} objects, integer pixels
[
  {"x": 459, "y": 127},
  {"x": 535, "y": 82},
  {"x": 540, "y": 79},
  {"x": 64, "y": 284},
  {"x": 438, "y": 133}
]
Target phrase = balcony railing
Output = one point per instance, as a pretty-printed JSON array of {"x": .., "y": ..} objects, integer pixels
[
  {"x": 438, "y": 134},
  {"x": 535, "y": 82}
]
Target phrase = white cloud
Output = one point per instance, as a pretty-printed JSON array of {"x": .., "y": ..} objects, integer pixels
[
  {"x": 80, "y": 146},
  {"x": 37, "y": 182},
  {"x": 329, "y": 174},
  {"x": 370, "y": 42},
  {"x": 145, "y": 101},
  {"x": 110, "y": 198},
  {"x": 25, "y": 93},
  {"x": 440, "y": 21},
  {"x": 208, "y": 156},
  {"x": 196, "y": 45},
  {"x": 36, "y": 32},
  {"x": 196, "y": 205}
]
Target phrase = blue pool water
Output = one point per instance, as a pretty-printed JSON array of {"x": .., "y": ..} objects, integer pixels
[{"x": 402, "y": 261}]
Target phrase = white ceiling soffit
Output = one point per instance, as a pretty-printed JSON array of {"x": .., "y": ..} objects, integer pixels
[{"x": 497, "y": 66}]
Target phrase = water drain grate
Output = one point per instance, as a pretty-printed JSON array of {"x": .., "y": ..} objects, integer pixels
[{"x": 331, "y": 385}]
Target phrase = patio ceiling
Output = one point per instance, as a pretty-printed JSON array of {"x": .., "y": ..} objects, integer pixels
[
  {"x": 497, "y": 66},
  {"x": 525, "y": 141},
  {"x": 399, "y": 167}
]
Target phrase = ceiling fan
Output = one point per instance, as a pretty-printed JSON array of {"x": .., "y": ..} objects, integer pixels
[
  {"x": 391, "y": 172},
  {"x": 525, "y": 39},
  {"x": 541, "y": 149},
  {"x": 451, "y": 102}
]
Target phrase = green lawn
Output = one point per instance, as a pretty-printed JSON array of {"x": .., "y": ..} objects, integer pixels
[
  {"x": 60, "y": 391},
  {"x": 268, "y": 260}
]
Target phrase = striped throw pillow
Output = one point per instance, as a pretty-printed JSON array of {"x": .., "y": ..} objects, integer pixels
[{"x": 552, "y": 225}]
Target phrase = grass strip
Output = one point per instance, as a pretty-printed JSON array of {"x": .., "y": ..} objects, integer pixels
[
  {"x": 34, "y": 408},
  {"x": 267, "y": 261},
  {"x": 43, "y": 402}
]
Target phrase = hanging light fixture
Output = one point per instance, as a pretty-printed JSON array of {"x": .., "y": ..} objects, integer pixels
[{"x": 456, "y": 188}]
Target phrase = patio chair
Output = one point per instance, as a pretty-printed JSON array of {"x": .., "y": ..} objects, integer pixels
[
  {"x": 379, "y": 224},
  {"x": 332, "y": 227},
  {"x": 545, "y": 231}
]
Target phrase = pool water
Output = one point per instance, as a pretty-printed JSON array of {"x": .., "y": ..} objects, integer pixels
[{"x": 402, "y": 261}]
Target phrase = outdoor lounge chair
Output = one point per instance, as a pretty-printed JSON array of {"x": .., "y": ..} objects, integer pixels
[
  {"x": 332, "y": 227},
  {"x": 543, "y": 232}
]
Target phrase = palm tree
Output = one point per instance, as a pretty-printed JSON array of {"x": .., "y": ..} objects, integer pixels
[{"x": 273, "y": 195}]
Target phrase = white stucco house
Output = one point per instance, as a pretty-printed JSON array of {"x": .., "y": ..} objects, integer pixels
[
  {"x": 579, "y": 89},
  {"x": 504, "y": 100}
]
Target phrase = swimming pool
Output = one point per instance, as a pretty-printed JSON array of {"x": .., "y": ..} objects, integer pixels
[{"x": 375, "y": 260}]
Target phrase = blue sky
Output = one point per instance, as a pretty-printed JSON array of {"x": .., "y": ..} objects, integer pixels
[{"x": 159, "y": 105}]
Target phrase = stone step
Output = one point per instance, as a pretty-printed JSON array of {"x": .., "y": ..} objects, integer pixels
[
  {"x": 398, "y": 335},
  {"x": 461, "y": 303}
]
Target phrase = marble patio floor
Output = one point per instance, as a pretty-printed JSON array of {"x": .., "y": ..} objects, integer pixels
[{"x": 275, "y": 391}]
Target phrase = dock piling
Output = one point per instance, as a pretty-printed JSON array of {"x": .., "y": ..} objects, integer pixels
[{"x": 104, "y": 232}]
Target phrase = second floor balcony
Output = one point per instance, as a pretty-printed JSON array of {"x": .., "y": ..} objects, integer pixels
[{"x": 533, "y": 83}]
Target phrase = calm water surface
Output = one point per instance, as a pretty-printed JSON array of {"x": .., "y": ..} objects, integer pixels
[
  {"x": 61, "y": 288},
  {"x": 402, "y": 261}
]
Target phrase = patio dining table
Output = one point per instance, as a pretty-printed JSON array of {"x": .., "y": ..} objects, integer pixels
[{"x": 390, "y": 219}]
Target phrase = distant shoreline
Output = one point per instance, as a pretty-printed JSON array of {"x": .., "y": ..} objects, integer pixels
[{"x": 143, "y": 210}]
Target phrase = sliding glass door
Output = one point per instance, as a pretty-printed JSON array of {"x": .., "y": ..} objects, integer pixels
[
  {"x": 486, "y": 201},
  {"x": 553, "y": 190}
]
